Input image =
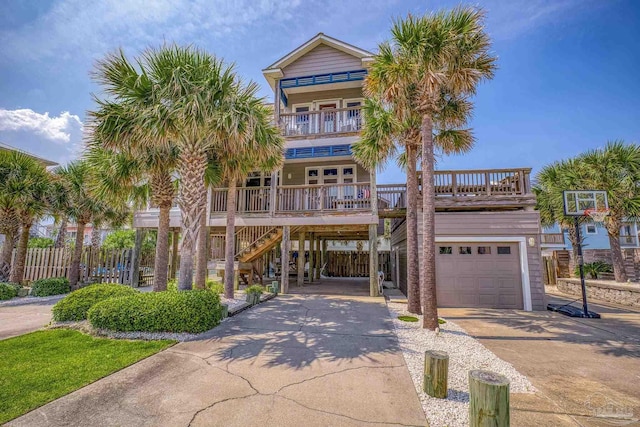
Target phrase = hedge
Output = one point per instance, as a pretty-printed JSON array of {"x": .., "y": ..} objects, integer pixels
[
  {"x": 8, "y": 290},
  {"x": 53, "y": 286},
  {"x": 76, "y": 305},
  {"x": 187, "y": 311}
]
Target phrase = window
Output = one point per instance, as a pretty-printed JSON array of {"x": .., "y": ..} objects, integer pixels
[
  {"x": 591, "y": 229},
  {"x": 464, "y": 250},
  {"x": 446, "y": 250},
  {"x": 504, "y": 250},
  {"x": 312, "y": 172},
  {"x": 347, "y": 171},
  {"x": 330, "y": 172},
  {"x": 484, "y": 250}
]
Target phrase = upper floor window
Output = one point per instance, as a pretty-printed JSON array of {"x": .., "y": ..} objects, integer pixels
[{"x": 591, "y": 229}]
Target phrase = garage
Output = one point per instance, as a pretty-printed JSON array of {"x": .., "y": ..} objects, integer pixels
[{"x": 478, "y": 274}]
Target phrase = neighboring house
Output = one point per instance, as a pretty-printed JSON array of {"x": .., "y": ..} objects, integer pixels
[
  {"x": 45, "y": 162},
  {"x": 487, "y": 231},
  {"x": 594, "y": 236}
]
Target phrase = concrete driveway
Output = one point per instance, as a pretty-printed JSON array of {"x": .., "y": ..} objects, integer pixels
[
  {"x": 296, "y": 360},
  {"x": 587, "y": 371},
  {"x": 20, "y": 319}
]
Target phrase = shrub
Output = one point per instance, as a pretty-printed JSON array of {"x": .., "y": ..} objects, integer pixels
[
  {"x": 189, "y": 311},
  {"x": 53, "y": 286},
  {"x": 215, "y": 286},
  {"x": 593, "y": 269},
  {"x": 76, "y": 305},
  {"x": 254, "y": 289},
  {"x": 8, "y": 290},
  {"x": 40, "y": 242}
]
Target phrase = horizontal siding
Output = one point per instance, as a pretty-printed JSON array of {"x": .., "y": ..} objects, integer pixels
[
  {"x": 305, "y": 97},
  {"x": 320, "y": 60},
  {"x": 519, "y": 223},
  {"x": 297, "y": 171}
]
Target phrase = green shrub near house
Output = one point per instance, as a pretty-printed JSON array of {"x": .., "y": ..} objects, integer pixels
[
  {"x": 254, "y": 289},
  {"x": 189, "y": 311},
  {"x": 52, "y": 286},
  {"x": 8, "y": 290},
  {"x": 594, "y": 269},
  {"x": 40, "y": 243},
  {"x": 75, "y": 306},
  {"x": 212, "y": 285}
]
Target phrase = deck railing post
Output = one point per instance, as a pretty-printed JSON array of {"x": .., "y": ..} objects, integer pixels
[{"x": 487, "y": 182}]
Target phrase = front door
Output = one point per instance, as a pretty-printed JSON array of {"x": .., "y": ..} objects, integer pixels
[{"x": 328, "y": 118}]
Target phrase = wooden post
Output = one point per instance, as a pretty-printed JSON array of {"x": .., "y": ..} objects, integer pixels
[
  {"x": 174, "y": 253},
  {"x": 284, "y": 259},
  {"x": 318, "y": 258},
  {"x": 312, "y": 257},
  {"x": 488, "y": 399},
  {"x": 436, "y": 372},
  {"x": 325, "y": 256},
  {"x": 273, "y": 192},
  {"x": 301, "y": 242},
  {"x": 134, "y": 277},
  {"x": 373, "y": 260}
]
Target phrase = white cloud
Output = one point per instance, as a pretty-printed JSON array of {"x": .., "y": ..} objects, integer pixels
[{"x": 57, "y": 128}]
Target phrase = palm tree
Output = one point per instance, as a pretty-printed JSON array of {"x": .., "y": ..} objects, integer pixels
[
  {"x": 135, "y": 125},
  {"x": 436, "y": 61},
  {"x": 82, "y": 207},
  {"x": 23, "y": 196},
  {"x": 258, "y": 145},
  {"x": 9, "y": 227},
  {"x": 616, "y": 170},
  {"x": 388, "y": 129}
]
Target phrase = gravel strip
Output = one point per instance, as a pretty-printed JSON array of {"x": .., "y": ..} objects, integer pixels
[{"x": 465, "y": 353}]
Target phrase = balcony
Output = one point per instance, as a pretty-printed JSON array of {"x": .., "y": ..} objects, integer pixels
[
  {"x": 552, "y": 239},
  {"x": 628, "y": 241},
  {"x": 316, "y": 124}
]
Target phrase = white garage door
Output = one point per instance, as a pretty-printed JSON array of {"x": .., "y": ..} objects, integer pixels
[{"x": 478, "y": 275}]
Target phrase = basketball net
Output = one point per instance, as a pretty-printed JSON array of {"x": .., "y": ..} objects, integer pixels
[{"x": 597, "y": 215}]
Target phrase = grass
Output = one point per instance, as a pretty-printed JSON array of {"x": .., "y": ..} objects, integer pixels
[
  {"x": 39, "y": 367},
  {"x": 408, "y": 318}
]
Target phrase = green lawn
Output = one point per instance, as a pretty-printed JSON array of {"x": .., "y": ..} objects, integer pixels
[{"x": 39, "y": 367}]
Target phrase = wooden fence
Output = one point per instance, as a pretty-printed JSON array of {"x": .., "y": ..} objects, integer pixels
[
  {"x": 112, "y": 266},
  {"x": 356, "y": 264}
]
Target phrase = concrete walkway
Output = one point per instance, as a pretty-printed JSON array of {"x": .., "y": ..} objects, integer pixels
[
  {"x": 297, "y": 360},
  {"x": 587, "y": 371}
]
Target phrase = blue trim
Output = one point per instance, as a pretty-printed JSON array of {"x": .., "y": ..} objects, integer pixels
[
  {"x": 320, "y": 79},
  {"x": 326, "y": 151}
]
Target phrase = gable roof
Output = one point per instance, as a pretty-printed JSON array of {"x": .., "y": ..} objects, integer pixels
[{"x": 275, "y": 69}]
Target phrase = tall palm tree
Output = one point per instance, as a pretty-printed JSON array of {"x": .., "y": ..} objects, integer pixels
[
  {"x": 136, "y": 125},
  {"x": 258, "y": 145},
  {"x": 616, "y": 170},
  {"x": 440, "y": 58},
  {"x": 9, "y": 227},
  {"x": 82, "y": 207},
  {"x": 24, "y": 187}
]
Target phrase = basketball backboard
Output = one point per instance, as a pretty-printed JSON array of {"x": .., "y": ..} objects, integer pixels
[{"x": 577, "y": 202}]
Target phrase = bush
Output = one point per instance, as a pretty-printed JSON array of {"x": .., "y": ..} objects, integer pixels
[
  {"x": 188, "y": 311},
  {"x": 76, "y": 305},
  {"x": 40, "y": 242},
  {"x": 254, "y": 289},
  {"x": 593, "y": 269},
  {"x": 212, "y": 285},
  {"x": 8, "y": 290},
  {"x": 53, "y": 286}
]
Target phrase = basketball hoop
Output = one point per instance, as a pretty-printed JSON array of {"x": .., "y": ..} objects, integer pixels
[{"x": 597, "y": 215}]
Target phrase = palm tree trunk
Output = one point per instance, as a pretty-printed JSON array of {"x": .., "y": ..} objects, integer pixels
[
  {"x": 74, "y": 268},
  {"x": 161, "y": 265},
  {"x": 413, "y": 264},
  {"x": 17, "y": 269},
  {"x": 61, "y": 237},
  {"x": 617, "y": 259},
  {"x": 229, "y": 244},
  {"x": 95, "y": 238},
  {"x": 428, "y": 264},
  {"x": 201, "y": 256},
  {"x": 7, "y": 254},
  {"x": 573, "y": 238},
  {"x": 192, "y": 164}
]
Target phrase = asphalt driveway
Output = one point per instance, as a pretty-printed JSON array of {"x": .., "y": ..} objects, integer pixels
[
  {"x": 587, "y": 371},
  {"x": 296, "y": 360}
]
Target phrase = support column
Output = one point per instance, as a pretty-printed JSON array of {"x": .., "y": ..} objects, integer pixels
[
  {"x": 284, "y": 259},
  {"x": 319, "y": 261},
  {"x": 301, "y": 242},
  {"x": 312, "y": 256},
  {"x": 373, "y": 260},
  {"x": 174, "y": 253},
  {"x": 273, "y": 192},
  {"x": 325, "y": 256},
  {"x": 134, "y": 277}
]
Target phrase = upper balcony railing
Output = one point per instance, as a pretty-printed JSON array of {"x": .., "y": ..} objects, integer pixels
[
  {"x": 552, "y": 238},
  {"x": 474, "y": 183},
  {"x": 324, "y": 122}
]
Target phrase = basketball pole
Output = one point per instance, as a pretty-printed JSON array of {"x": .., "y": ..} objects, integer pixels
[{"x": 580, "y": 260}]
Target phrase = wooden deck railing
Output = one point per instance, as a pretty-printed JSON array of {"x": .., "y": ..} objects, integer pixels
[
  {"x": 323, "y": 122},
  {"x": 628, "y": 240},
  {"x": 467, "y": 185},
  {"x": 552, "y": 238}
]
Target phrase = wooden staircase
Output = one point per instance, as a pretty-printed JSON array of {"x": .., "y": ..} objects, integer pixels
[{"x": 264, "y": 240}]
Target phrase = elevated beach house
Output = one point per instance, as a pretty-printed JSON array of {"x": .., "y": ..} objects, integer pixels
[{"x": 487, "y": 231}]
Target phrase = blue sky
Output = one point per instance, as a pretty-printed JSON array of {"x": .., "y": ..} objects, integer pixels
[{"x": 568, "y": 78}]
